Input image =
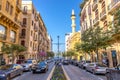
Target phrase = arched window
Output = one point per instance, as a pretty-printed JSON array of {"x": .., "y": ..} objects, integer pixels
[
  {"x": 2, "y": 32},
  {"x": 12, "y": 36},
  {"x": 23, "y": 32}
]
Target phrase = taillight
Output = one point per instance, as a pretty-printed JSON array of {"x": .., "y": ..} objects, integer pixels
[{"x": 96, "y": 67}]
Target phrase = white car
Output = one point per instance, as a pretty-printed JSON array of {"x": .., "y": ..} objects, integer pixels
[
  {"x": 27, "y": 65},
  {"x": 96, "y": 68}
]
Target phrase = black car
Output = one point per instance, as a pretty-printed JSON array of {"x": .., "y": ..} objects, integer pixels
[
  {"x": 9, "y": 71},
  {"x": 40, "y": 67},
  {"x": 65, "y": 62}
]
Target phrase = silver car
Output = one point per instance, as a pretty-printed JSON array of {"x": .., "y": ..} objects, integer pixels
[
  {"x": 27, "y": 65},
  {"x": 96, "y": 68}
]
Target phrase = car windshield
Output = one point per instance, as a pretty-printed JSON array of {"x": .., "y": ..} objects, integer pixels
[
  {"x": 101, "y": 65},
  {"x": 5, "y": 67},
  {"x": 42, "y": 63},
  {"x": 29, "y": 61}
]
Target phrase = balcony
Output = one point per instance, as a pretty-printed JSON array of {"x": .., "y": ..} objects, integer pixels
[
  {"x": 35, "y": 28},
  {"x": 36, "y": 18},
  {"x": 100, "y": 1},
  {"x": 18, "y": 8},
  {"x": 22, "y": 36},
  {"x": 2, "y": 36},
  {"x": 103, "y": 15},
  {"x": 113, "y": 6},
  {"x": 24, "y": 11},
  {"x": 23, "y": 25},
  {"x": 96, "y": 20},
  {"x": 95, "y": 5}
]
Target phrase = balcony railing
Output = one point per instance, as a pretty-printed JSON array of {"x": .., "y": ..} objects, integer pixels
[
  {"x": 2, "y": 36},
  {"x": 102, "y": 14},
  {"x": 12, "y": 39},
  {"x": 22, "y": 36},
  {"x": 94, "y": 6},
  {"x": 112, "y": 4}
]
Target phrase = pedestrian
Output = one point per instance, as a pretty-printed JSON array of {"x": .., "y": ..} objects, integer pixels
[{"x": 107, "y": 62}]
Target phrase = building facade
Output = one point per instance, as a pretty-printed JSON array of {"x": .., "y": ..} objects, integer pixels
[
  {"x": 99, "y": 13},
  {"x": 33, "y": 33},
  {"x": 10, "y": 16}
]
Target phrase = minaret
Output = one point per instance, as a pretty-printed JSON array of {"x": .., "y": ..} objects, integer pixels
[{"x": 73, "y": 25}]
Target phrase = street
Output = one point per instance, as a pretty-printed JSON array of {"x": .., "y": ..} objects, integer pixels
[
  {"x": 75, "y": 73},
  {"x": 37, "y": 76}
]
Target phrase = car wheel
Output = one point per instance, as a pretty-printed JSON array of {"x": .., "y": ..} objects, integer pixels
[
  {"x": 94, "y": 72},
  {"x": 21, "y": 72},
  {"x": 8, "y": 77}
]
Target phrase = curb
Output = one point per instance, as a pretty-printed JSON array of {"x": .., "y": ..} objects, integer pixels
[
  {"x": 51, "y": 73},
  {"x": 67, "y": 77}
]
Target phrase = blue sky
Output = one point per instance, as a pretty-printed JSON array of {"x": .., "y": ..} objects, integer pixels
[{"x": 56, "y": 16}]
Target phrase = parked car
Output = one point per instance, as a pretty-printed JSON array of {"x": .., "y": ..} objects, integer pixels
[
  {"x": 96, "y": 68},
  {"x": 40, "y": 67},
  {"x": 9, "y": 71},
  {"x": 27, "y": 65},
  {"x": 113, "y": 73},
  {"x": 83, "y": 64},
  {"x": 65, "y": 62}
]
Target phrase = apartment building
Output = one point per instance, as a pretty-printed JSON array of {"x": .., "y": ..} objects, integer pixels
[
  {"x": 33, "y": 33},
  {"x": 99, "y": 13},
  {"x": 10, "y": 16}
]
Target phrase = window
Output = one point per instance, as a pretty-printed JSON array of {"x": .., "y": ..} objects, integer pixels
[
  {"x": 31, "y": 33},
  {"x": 24, "y": 21},
  {"x": 12, "y": 36},
  {"x": 11, "y": 10},
  {"x": 31, "y": 44},
  {"x": 16, "y": 16},
  {"x": 2, "y": 32},
  {"x": 23, "y": 32},
  {"x": 23, "y": 43},
  {"x": 7, "y": 6},
  {"x": 32, "y": 23},
  {"x": 25, "y": 8}
]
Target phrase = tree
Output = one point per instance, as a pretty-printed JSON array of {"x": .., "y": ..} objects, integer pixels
[
  {"x": 14, "y": 50},
  {"x": 50, "y": 54},
  {"x": 70, "y": 53},
  {"x": 94, "y": 39}
]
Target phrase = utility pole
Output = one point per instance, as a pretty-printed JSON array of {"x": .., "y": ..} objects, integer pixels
[{"x": 58, "y": 45}]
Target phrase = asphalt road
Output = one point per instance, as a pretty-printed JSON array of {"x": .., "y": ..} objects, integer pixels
[
  {"x": 37, "y": 76},
  {"x": 75, "y": 73}
]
